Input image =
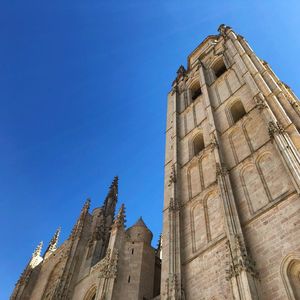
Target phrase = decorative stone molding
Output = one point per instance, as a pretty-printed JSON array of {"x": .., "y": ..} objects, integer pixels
[
  {"x": 221, "y": 170},
  {"x": 240, "y": 260},
  {"x": 275, "y": 128},
  {"x": 107, "y": 267},
  {"x": 223, "y": 29},
  {"x": 213, "y": 142},
  {"x": 172, "y": 178},
  {"x": 260, "y": 101},
  {"x": 174, "y": 205}
]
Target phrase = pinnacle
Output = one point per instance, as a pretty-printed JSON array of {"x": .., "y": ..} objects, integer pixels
[
  {"x": 120, "y": 218},
  {"x": 115, "y": 182},
  {"x": 38, "y": 250}
]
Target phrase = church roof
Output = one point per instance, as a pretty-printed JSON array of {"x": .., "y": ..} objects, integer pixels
[{"x": 140, "y": 222}]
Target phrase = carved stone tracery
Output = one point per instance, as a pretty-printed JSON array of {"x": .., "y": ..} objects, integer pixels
[
  {"x": 240, "y": 260},
  {"x": 275, "y": 128},
  {"x": 107, "y": 267}
]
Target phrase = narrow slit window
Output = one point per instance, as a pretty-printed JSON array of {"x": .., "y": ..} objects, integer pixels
[
  {"x": 132, "y": 251},
  {"x": 237, "y": 111},
  {"x": 129, "y": 279},
  {"x": 198, "y": 144}
]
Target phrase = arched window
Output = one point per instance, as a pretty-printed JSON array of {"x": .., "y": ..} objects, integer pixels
[
  {"x": 219, "y": 68},
  {"x": 290, "y": 272},
  {"x": 196, "y": 91},
  {"x": 198, "y": 143},
  {"x": 91, "y": 294},
  {"x": 237, "y": 111},
  {"x": 293, "y": 273}
]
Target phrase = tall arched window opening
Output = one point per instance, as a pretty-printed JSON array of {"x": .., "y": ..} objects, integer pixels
[
  {"x": 219, "y": 68},
  {"x": 237, "y": 111},
  {"x": 198, "y": 143},
  {"x": 293, "y": 273},
  {"x": 91, "y": 294},
  {"x": 196, "y": 91}
]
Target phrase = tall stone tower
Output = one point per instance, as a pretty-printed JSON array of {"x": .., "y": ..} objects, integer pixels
[{"x": 231, "y": 217}]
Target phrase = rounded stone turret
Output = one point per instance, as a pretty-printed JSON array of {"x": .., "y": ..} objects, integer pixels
[{"x": 139, "y": 232}]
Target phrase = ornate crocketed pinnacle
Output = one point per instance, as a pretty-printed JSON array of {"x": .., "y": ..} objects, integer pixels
[
  {"x": 121, "y": 217},
  {"x": 86, "y": 205},
  {"x": 114, "y": 186},
  {"x": 79, "y": 224},
  {"x": 53, "y": 243},
  {"x": 38, "y": 250},
  {"x": 111, "y": 199}
]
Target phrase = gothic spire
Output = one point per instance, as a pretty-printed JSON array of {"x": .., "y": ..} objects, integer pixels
[
  {"x": 38, "y": 250},
  {"x": 121, "y": 217},
  {"x": 110, "y": 201},
  {"x": 79, "y": 224},
  {"x": 36, "y": 256},
  {"x": 53, "y": 243}
]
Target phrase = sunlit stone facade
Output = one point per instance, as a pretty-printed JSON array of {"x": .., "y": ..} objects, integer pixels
[{"x": 231, "y": 225}]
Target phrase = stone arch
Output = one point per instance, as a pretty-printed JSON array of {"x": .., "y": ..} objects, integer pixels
[
  {"x": 195, "y": 179},
  {"x": 239, "y": 144},
  {"x": 208, "y": 167},
  {"x": 195, "y": 89},
  {"x": 198, "y": 224},
  {"x": 219, "y": 67},
  {"x": 198, "y": 138},
  {"x": 253, "y": 188},
  {"x": 91, "y": 293},
  {"x": 235, "y": 111},
  {"x": 213, "y": 215},
  {"x": 290, "y": 274},
  {"x": 269, "y": 168}
]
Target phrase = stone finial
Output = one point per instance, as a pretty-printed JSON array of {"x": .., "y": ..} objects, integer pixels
[
  {"x": 121, "y": 217},
  {"x": 38, "y": 250},
  {"x": 111, "y": 199},
  {"x": 53, "y": 243},
  {"x": 79, "y": 224},
  {"x": 113, "y": 189},
  {"x": 36, "y": 256},
  {"x": 86, "y": 205},
  {"x": 223, "y": 29}
]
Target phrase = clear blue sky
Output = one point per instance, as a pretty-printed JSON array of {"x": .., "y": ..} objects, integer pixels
[{"x": 83, "y": 88}]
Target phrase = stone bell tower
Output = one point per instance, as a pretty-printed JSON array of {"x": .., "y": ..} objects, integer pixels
[{"x": 231, "y": 218}]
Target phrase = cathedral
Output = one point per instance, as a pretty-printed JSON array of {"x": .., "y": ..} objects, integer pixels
[{"x": 231, "y": 215}]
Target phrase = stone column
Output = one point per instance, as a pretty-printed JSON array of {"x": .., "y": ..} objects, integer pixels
[
  {"x": 241, "y": 272},
  {"x": 171, "y": 270}
]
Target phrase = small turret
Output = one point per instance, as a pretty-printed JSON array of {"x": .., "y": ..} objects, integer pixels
[{"x": 139, "y": 232}]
